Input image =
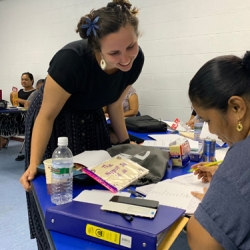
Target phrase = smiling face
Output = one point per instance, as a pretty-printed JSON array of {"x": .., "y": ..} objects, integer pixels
[
  {"x": 26, "y": 82},
  {"x": 224, "y": 124},
  {"x": 120, "y": 49}
]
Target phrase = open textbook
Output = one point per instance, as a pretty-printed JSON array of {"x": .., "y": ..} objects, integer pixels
[{"x": 175, "y": 192}]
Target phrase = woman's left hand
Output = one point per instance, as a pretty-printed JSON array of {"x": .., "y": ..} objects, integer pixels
[{"x": 199, "y": 195}]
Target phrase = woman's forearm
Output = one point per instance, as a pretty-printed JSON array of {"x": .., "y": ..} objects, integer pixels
[
  {"x": 40, "y": 136},
  {"x": 130, "y": 113}
]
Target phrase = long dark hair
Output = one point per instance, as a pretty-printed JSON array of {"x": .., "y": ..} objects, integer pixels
[
  {"x": 219, "y": 79},
  {"x": 115, "y": 15}
]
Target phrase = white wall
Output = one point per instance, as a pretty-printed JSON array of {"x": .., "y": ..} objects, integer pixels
[{"x": 178, "y": 36}]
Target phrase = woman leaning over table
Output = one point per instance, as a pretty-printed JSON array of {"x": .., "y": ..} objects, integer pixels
[
  {"x": 83, "y": 77},
  {"x": 220, "y": 95}
]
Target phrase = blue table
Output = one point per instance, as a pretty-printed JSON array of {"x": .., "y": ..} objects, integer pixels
[{"x": 64, "y": 242}]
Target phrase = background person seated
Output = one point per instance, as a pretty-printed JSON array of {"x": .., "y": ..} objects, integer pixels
[
  {"x": 39, "y": 84},
  {"x": 27, "y": 81},
  {"x": 130, "y": 104}
]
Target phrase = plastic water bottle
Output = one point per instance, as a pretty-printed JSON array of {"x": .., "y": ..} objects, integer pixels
[
  {"x": 62, "y": 173},
  {"x": 198, "y": 124}
]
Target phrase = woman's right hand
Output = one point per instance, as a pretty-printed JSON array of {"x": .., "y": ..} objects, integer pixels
[
  {"x": 204, "y": 173},
  {"x": 27, "y": 177}
]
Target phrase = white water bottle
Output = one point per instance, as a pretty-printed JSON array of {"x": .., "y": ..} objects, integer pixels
[
  {"x": 198, "y": 124},
  {"x": 62, "y": 173}
]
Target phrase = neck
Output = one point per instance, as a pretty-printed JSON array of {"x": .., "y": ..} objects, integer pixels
[{"x": 28, "y": 88}]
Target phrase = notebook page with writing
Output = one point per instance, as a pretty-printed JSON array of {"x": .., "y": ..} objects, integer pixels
[
  {"x": 191, "y": 180},
  {"x": 176, "y": 194}
]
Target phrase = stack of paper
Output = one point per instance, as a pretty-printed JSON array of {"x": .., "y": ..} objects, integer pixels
[{"x": 163, "y": 141}]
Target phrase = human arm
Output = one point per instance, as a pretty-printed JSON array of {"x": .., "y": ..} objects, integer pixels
[
  {"x": 190, "y": 122},
  {"x": 199, "y": 237},
  {"x": 105, "y": 110},
  {"x": 204, "y": 173},
  {"x": 115, "y": 111},
  {"x": 54, "y": 99},
  {"x": 21, "y": 101},
  {"x": 133, "y": 106}
]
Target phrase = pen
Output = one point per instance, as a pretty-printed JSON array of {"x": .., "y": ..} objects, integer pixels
[
  {"x": 135, "y": 193},
  {"x": 207, "y": 165}
]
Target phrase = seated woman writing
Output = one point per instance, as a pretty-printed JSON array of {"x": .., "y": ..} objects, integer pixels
[{"x": 220, "y": 95}]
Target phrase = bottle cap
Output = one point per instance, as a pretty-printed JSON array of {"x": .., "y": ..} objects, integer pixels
[{"x": 62, "y": 141}]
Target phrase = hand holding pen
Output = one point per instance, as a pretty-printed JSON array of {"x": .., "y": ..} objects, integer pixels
[{"x": 205, "y": 170}]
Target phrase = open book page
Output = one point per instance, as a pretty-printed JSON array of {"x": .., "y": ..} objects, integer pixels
[
  {"x": 116, "y": 173},
  {"x": 91, "y": 158}
]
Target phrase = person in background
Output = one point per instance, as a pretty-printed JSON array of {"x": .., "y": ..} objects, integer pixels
[
  {"x": 190, "y": 122},
  {"x": 39, "y": 84},
  {"x": 27, "y": 81},
  {"x": 83, "y": 77},
  {"x": 130, "y": 104},
  {"x": 220, "y": 95}
]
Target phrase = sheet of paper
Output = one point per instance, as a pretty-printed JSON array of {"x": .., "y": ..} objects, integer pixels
[
  {"x": 99, "y": 197},
  {"x": 205, "y": 133},
  {"x": 191, "y": 180},
  {"x": 194, "y": 202},
  {"x": 220, "y": 153},
  {"x": 168, "y": 138},
  {"x": 145, "y": 189},
  {"x": 179, "y": 127},
  {"x": 91, "y": 158},
  {"x": 171, "y": 194}
]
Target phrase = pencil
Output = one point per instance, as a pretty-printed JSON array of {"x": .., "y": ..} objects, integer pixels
[{"x": 207, "y": 165}]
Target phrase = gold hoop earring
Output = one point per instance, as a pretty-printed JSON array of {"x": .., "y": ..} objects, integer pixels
[
  {"x": 239, "y": 126},
  {"x": 103, "y": 64}
]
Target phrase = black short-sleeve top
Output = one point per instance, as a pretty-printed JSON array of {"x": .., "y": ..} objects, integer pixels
[
  {"x": 76, "y": 70},
  {"x": 24, "y": 95}
]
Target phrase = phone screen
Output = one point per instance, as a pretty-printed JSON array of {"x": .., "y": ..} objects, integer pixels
[{"x": 135, "y": 201}]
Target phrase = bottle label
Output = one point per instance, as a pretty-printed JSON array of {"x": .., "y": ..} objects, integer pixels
[{"x": 61, "y": 172}]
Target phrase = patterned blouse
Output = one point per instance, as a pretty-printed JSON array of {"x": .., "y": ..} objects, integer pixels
[{"x": 125, "y": 103}]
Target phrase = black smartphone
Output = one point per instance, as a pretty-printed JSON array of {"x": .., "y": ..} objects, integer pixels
[{"x": 135, "y": 201}]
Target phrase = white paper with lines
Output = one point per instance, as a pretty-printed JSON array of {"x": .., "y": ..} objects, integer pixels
[{"x": 176, "y": 194}]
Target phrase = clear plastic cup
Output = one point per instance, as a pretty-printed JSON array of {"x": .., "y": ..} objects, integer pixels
[{"x": 47, "y": 165}]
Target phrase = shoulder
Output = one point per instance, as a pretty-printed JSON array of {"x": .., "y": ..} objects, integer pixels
[{"x": 74, "y": 52}]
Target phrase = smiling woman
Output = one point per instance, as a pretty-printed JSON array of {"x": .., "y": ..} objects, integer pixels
[
  {"x": 220, "y": 94},
  {"x": 83, "y": 77}
]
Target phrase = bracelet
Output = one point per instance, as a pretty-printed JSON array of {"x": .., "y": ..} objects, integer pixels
[{"x": 127, "y": 141}]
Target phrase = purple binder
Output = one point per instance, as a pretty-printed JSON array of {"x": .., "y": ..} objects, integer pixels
[{"x": 87, "y": 221}]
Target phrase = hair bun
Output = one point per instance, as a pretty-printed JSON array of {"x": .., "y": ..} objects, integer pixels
[
  {"x": 246, "y": 60},
  {"x": 111, "y": 5}
]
